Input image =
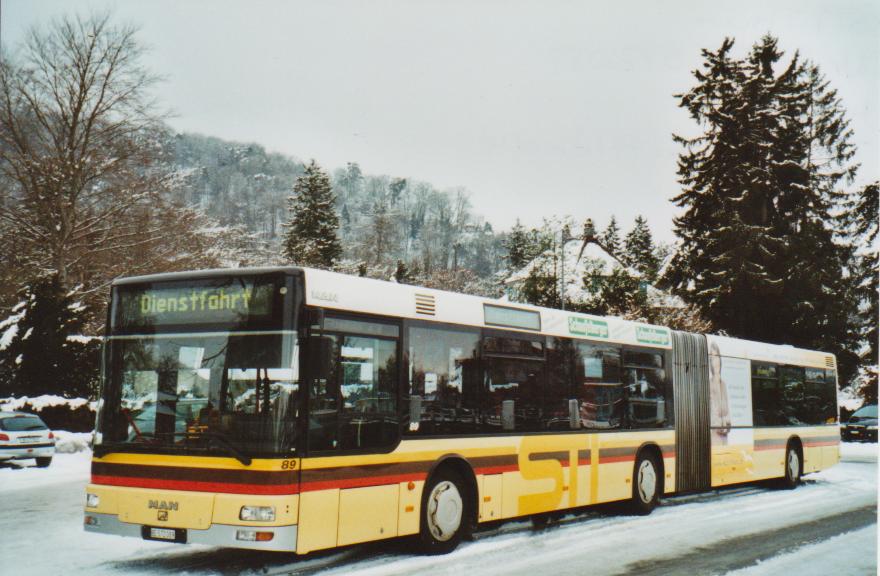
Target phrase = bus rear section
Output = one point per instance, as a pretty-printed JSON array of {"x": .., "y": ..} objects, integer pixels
[{"x": 773, "y": 411}]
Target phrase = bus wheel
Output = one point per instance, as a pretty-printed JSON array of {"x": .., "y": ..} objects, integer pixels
[
  {"x": 444, "y": 511},
  {"x": 646, "y": 484},
  {"x": 792, "y": 468}
]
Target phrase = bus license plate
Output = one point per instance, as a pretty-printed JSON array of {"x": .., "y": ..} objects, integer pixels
[{"x": 163, "y": 533}]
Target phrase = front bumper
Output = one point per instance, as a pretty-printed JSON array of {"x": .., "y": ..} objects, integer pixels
[
  {"x": 25, "y": 451},
  {"x": 217, "y": 535},
  {"x": 859, "y": 433}
]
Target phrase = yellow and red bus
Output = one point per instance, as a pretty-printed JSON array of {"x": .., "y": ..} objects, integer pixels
[{"x": 296, "y": 410}]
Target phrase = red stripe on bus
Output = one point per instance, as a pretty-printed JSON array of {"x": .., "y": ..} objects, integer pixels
[
  {"x": 613, "y": 459},
  {"x": 197, "y": 486},
  {"x": 496, "y": 469},
  {"x": 829, "y": 443},
  {"x": 761, "y": 447}
]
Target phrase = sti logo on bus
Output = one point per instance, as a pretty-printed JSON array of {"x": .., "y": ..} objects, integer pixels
[{"x": 162, "y": 505}]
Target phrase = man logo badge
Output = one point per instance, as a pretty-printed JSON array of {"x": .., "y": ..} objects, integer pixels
[
  {"x": 162, "y": 505},
  {"x": 162, "y": 515}
]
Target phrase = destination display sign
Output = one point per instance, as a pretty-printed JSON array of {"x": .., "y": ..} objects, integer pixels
[
  {"x": 228, "y": 302},
  {"x": 588, "y": 327},
  {"x": 652, "y": 335}
]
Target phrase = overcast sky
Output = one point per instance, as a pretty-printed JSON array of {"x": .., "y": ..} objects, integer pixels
[{"x": 537, "y": 108}]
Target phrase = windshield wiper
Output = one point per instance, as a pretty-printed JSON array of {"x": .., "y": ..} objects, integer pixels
[
  {"x": 220, "y": 440},
  {"x": 223, "y": 442}
]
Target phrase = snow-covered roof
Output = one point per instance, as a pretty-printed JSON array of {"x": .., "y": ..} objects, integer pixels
[{"x": 593, "y": 260}]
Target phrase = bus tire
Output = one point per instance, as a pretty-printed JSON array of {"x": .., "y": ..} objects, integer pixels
[
  {"x": 44, "y": 462},
  {"x": 647, "y": 480},
  {"x": 793, "y": 467},
  {"x": 444, "y": 513}
]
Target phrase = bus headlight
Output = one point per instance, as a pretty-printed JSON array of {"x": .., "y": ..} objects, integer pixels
[
  {"x": 257, "y": 513},
  {"x": 92, "y": 501},
  {"x": 872, "y": 428}
]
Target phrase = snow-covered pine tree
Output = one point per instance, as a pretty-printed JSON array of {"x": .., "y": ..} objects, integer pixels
[
  {"x": 638, "y": 250},
  {"x": 862, "y": 220},
  {"x": 757, "y": 251},
  {"x": 610, "y": 238},
  {"x": 402, "y": 274},
  {"x": 518, "y": 247},
  {"x": 311, "y": 236},
  {"x": 42, "y": 350}
]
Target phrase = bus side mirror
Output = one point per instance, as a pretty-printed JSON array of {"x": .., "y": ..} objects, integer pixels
[
  {"x": 574, "y": 415},
  {"x": 415, "y": 412},
  {"x": 314, "y": 317},
  {"x": 507, "y": 417}
]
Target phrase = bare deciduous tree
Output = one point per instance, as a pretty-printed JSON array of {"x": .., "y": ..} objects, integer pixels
[{"x": 84, "y": 187}]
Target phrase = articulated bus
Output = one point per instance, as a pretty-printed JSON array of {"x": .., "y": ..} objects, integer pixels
[{"x": 295, "y": 410}]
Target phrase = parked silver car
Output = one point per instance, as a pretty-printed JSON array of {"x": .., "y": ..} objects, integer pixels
[{"x": 24, "y": 436}]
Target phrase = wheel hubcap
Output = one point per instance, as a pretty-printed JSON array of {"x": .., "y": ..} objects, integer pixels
[
  {"x": 647, "y": 481},
  {"x": 793, "y": 465},
  {"x": 444, "y": 511}
]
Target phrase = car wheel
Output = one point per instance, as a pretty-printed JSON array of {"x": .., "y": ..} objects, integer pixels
[
  {"x": 44, "y": 462},
  {"x": 646, "y": 484},
  {"x": 792, "y": 468},
  {"x": 444, "y": 515}
]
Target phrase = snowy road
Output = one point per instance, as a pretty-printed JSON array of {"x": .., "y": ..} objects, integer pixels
[{"x": 826, "y": 526}]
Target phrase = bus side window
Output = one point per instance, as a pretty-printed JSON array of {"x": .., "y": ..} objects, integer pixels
[
  {"x": 443, "y": 374},
  {"x": 561, "y": 354},
  {"x": 795, "y": 409},
  {"x": 598, "y": 386},
  {"x": 816, "y": 399},
  {"x": 513, "y": 378},
  {"x": 323, "y": 393},
  {"x": 645, "y": 388},
  {"x": 767, "y": 405},
  {"x": 829, "y": 414},
  {"x": 368, "y": 387}
]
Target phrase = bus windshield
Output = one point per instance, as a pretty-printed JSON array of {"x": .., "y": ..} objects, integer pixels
[{"x": 233, "y": 391}]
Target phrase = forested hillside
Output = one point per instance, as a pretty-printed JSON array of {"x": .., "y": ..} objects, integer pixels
[{"x": 384, "y": 219}]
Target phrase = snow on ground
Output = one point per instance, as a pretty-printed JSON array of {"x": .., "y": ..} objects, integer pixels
[
  {"x": 41, "y": 519},
  {"x": 70, "y": 442},
  {"x": 859, "y": 451},
  {"x": 65, "y": 469},
  {"x": 822, "y": 558}
]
